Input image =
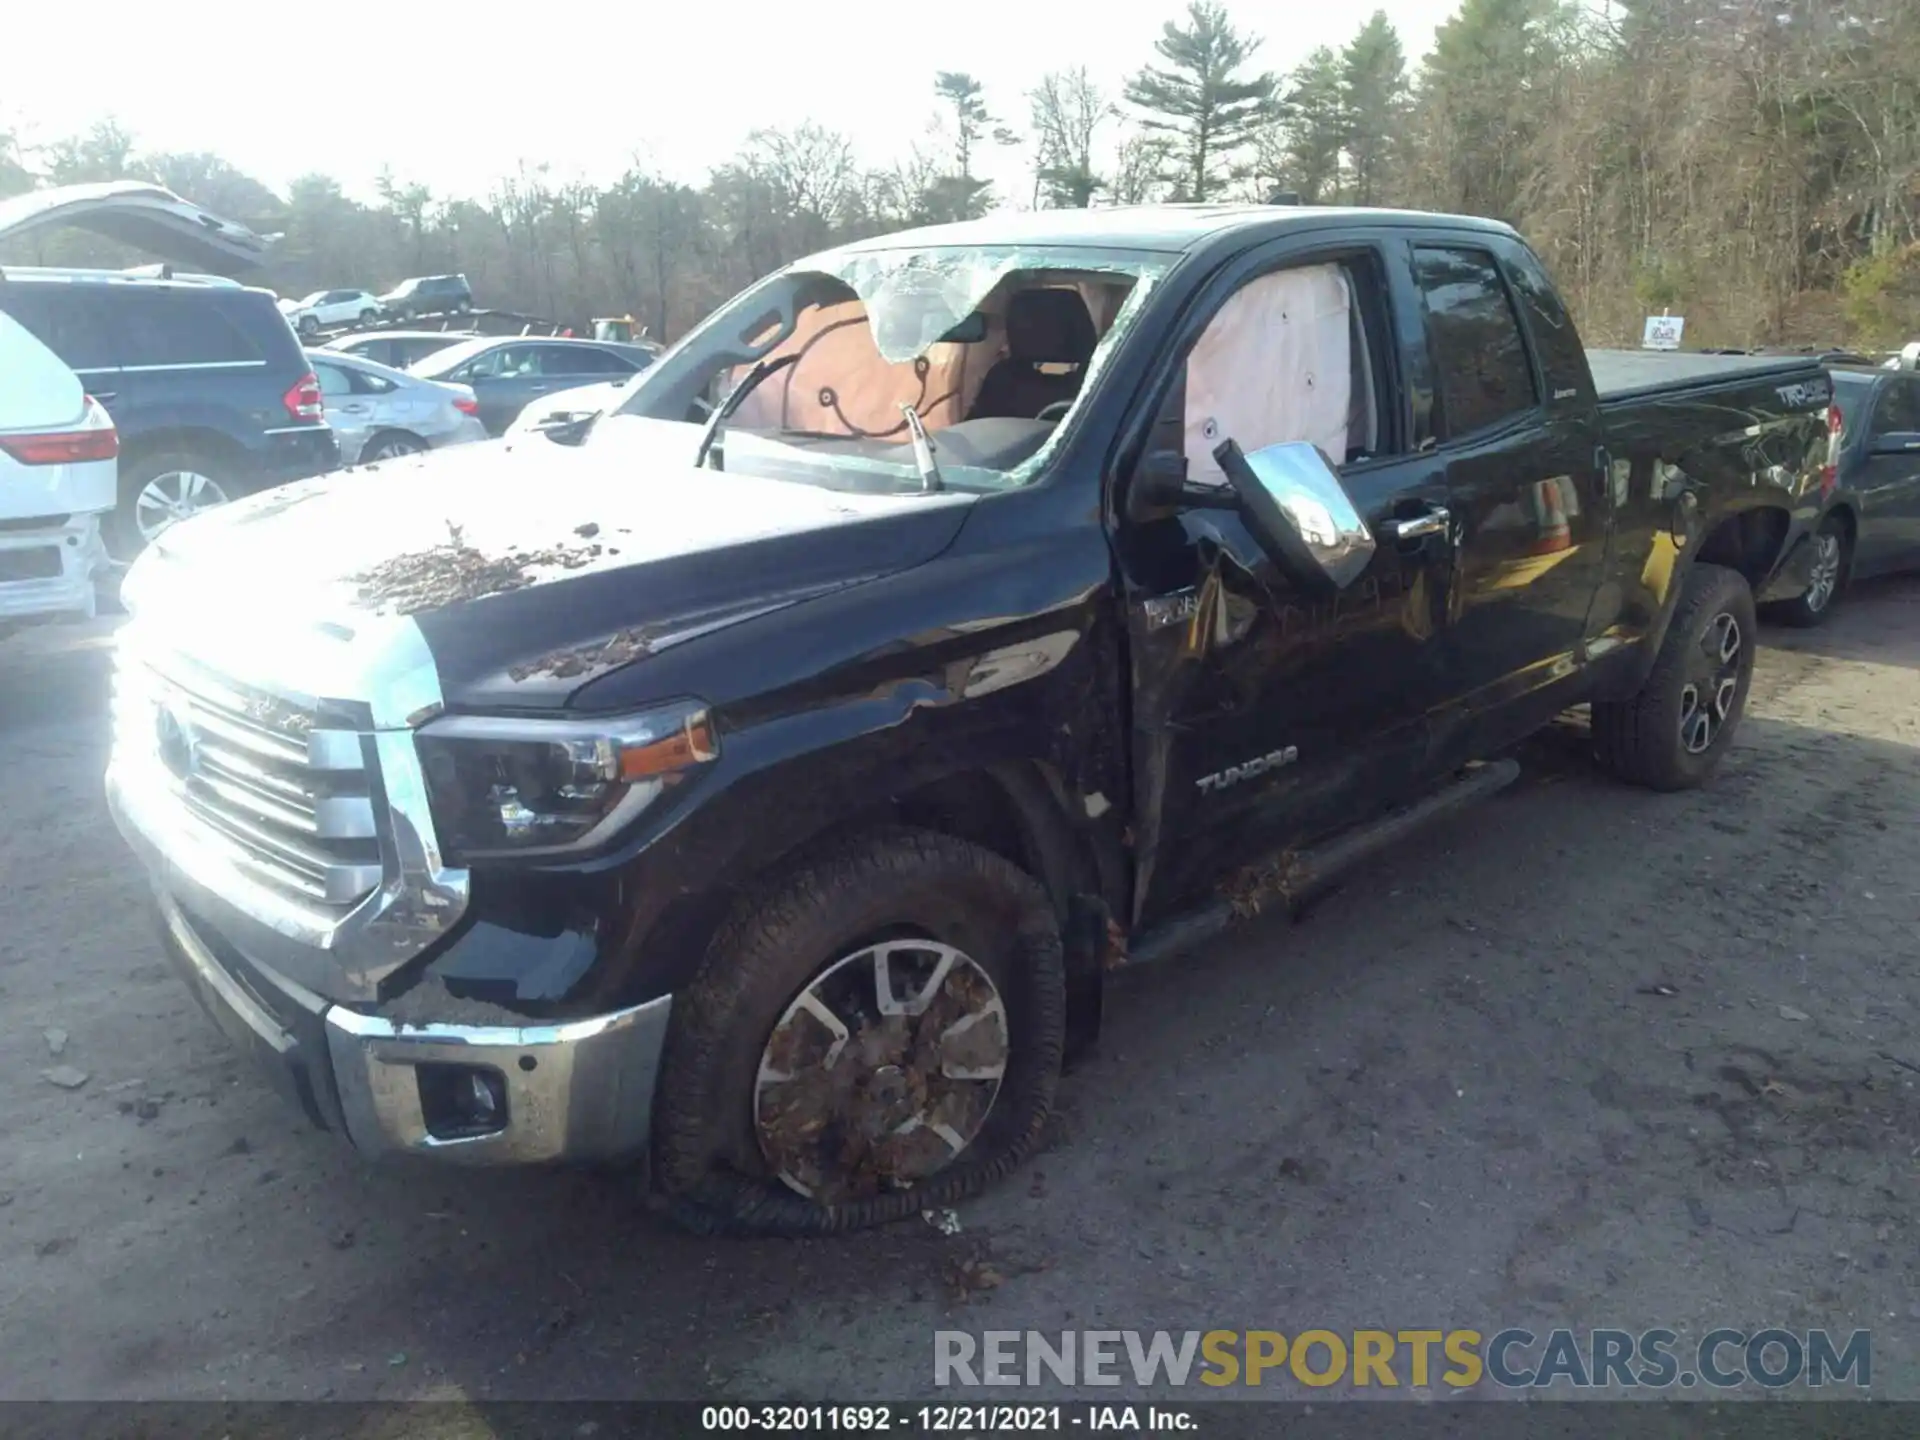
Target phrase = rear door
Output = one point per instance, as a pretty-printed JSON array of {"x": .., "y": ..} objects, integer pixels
[
  {"x": 1518, "y": 432},
  {"x": 1889, "y": 483},
  {"x": 569, "y": 366},
  {"x": 186, "y": 365},
  {"x": 348, "y": 410}
]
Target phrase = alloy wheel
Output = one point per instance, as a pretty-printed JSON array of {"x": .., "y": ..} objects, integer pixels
[
  {"x": 1823, "y": 578},
  {"x": 881, "y": 1071},
  {"x": 1706, "y": 701},
  {"x": 172, "y": 496}
]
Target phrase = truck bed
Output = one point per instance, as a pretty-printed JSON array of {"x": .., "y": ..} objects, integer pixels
[{"x": 1634, "y": 374}]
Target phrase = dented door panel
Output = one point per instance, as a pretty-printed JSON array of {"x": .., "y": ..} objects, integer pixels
[{"x": 1263, "y": 717}]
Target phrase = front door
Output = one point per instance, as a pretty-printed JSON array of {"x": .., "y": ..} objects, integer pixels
[
  {"x": 1263, "y": 716},
  {"x": 1521, "y": 446}
]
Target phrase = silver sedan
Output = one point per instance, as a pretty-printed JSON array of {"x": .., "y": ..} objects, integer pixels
[{"x": 378, "y": 412}]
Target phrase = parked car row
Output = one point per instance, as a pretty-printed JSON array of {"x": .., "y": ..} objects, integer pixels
[
  {"x": 421, "y": 295},
  {"x": 207, "y": 386}
]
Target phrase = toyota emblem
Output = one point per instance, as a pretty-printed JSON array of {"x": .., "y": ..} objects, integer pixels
[{"x": 178, "y": 744}]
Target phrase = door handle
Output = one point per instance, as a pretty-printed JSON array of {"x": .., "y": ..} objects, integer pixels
[{"x": 1416, "y": 527}]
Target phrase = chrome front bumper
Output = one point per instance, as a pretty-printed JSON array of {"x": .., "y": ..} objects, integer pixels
[
  {"x": 574, "y": 1090},
  {"x": 578, "y": 1090}
]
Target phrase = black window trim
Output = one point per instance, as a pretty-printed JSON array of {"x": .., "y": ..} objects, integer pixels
[{"x": 1534, "y": 416}]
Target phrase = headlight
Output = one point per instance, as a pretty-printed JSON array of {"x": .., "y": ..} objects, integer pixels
[{"x": 512, "y": 787}]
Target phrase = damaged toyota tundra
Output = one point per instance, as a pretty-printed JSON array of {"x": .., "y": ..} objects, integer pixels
[{"x": 762, "y": 779}]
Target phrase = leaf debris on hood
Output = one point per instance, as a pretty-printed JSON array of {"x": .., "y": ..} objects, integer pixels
[
  {"x": 448, "y": 574},
  {"x": 619, "y": 648}
]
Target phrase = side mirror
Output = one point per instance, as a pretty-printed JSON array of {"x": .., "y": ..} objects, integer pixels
[
  {"x": 1160, "y": 486},
  {"x": 1300, "y": 512},
  {"x": 1897, "y": 442}
]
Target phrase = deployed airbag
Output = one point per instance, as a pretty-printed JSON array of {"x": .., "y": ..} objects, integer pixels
[{"x": 1274, "y": 366}]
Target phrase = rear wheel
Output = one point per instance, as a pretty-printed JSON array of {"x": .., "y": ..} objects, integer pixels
[
  {"x": 391, "y": 446},
  {"x": 309, "y": 326},
  {"x": 160, "y": 489},
  {"x": 877, "y": 1032},
  {"x": 1674, "y": 733},
  {"x": 1826, "y": 578}
]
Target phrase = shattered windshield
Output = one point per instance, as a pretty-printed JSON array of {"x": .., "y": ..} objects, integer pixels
[{"x": 990, "y": 348}]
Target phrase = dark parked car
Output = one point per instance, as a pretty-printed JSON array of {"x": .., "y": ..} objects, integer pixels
[
  {"x": 428, "y": 295},
  {"x": 507, "y": 374},
  {"x": 769, "y": 777},
  {"x": 396, "y": 348},
  {"x": 1872, "y": 522},
  {"x": 204, "y": 378}
]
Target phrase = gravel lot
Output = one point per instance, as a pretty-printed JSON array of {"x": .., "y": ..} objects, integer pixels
[{"x": 1450, "y": 1097}]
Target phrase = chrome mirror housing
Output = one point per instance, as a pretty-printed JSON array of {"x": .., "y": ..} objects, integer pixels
[{"x": 1302, "y": 514}]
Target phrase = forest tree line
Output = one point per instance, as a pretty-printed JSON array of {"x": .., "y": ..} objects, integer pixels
[{"x": 1751, "y": 164}]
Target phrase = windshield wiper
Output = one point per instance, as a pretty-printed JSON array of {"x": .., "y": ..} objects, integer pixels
[
  {"x": 761, "y": 370},
  {"x": 923, "y": 460}
]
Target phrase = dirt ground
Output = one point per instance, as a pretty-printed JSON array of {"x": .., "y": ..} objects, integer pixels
[{"x": 1458, "y": 1094}]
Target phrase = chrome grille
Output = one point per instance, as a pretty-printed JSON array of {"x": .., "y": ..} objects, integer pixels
[{"x": 287, "y": 802}]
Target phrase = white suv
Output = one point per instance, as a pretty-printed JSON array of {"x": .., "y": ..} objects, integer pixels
[
  {"x": 59, "y": 473},
  {"x": 330, "y": 307}
]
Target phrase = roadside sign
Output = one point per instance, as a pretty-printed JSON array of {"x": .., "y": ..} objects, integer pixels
[{"x": 1663, "y": 332}]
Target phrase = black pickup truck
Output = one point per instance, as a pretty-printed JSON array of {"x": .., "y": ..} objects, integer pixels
[{"x": 761, "y": 778}]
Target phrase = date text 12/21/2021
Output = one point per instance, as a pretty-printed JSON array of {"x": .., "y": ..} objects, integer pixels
[{"x": 941, "y": 1419}]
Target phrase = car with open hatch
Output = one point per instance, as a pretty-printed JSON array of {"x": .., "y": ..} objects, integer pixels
[{"x": 763, "y": 777}]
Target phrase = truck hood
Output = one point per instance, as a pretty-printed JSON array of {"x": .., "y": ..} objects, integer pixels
[
  {"x": 532, "y": 568},
  {"x": 147, "y": 217}
]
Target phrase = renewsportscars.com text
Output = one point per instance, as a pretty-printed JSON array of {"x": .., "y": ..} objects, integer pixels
[{"x": 1451, "y": 1360}]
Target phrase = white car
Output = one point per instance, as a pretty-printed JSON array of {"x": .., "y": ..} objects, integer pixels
[
  {"x": 381, "y": 414},
  {"x": 564, "y": 407},
  {"x": 325, "y": 308},
  {"x": 59, "y": 474}
]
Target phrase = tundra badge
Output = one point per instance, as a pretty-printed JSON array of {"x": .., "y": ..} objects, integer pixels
[{"x": 1234, "y": 774}]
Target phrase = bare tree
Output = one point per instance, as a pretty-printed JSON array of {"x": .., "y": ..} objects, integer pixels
[{"x": 1068, "y": 111}]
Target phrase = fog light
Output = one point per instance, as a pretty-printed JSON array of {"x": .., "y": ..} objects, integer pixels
[{"x": 459, "y": 1102}]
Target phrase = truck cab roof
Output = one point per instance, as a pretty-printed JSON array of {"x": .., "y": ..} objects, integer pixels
[{"x": 1166, "y": 229}]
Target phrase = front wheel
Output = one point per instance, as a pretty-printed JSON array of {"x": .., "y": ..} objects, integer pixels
[
  {"x": 367, "y": 317},
  {"x": 309, "y": 326},
  {"x": 1673, "y": 734},
  {"x": 877, "y": 1032}
]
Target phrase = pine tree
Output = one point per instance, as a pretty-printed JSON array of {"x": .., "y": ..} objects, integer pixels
[
  {"x": 1485, "y": 85},
  {"x": 1201, "y": 99},
  {"x": 1374, "y": 84},
  {"x": 1315, "y": 128}
]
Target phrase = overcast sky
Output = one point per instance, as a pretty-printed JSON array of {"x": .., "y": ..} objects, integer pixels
[{"x": 456, "y": 95}]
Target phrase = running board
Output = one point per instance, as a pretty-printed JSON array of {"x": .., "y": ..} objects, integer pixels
[{"x": 1295, "y": 877}]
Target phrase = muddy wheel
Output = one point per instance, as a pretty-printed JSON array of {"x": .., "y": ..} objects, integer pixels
[
  {"x": 1673, "y": 734},
  {"x": 878, "y": 1031}
]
